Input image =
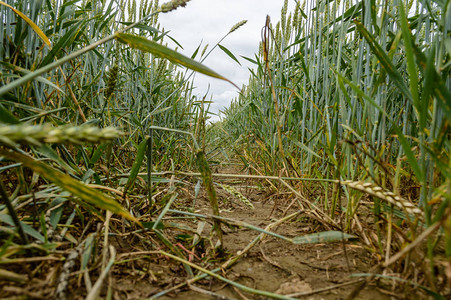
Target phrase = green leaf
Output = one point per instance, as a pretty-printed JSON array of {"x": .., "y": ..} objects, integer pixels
[
  {"x": 165, "y": 210},
  {"x": 47, "y": 151},
  {"x": 30, "y": 22},
  {"x": 250, "y": 60},
  {"x": 193, "y": 56},
  {"x": 6, "y": 117},
  {"x": 26, "y": 228},
  {"x": 78, "y": 189},
  {"x": 143, "y": 27},
  {"x": 161, "y": 110},
  {"x": 150, "y": 225},
  {"x": 164, "y": 52},
  {"x": 440, "y": 90},
  {"x": 448, "y": 45},
  {"x": 385, "y": 61},
  {"x": 97, "y": 154},
  {"x": 180, "y": 226},
  {"x": 89, "y": 247},
  {"x": 304, "y": 147},
  {"x": 362, "y": 94},
  {"x": 410, "y": 58},
  {"x": 55, "y": 215},
  {"x": 136, "y": 165},
  {"x": 24, "y": 72},
  {"x": 409, "y": 153},
  {"x": 428, "y": 86},
  {"x": 184, "y": 237},
  {"x": 62, "y": 42},
  {"x": 322, "y": 237},
  {"x": 230, "y": 54}
]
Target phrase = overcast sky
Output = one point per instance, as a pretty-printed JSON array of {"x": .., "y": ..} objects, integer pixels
[{"x": 206, "y": 22}]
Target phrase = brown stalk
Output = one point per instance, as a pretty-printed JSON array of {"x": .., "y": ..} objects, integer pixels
[
  {"x": 74, "y": 99},
  {"x": 208, "y": 182}
]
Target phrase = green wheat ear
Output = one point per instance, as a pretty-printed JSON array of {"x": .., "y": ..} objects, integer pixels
[
  {"x": 46, "y": 134},
  {"x": 237, "y": 194},
  {"x": 172, "y": 5},
  {"x": 237, "y": 26},
  {"x": 112, "y": 81}
]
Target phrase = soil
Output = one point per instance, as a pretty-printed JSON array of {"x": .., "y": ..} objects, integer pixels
[
  {"x": 273, "y": 265},
  {"x": 281, "y": 267}
]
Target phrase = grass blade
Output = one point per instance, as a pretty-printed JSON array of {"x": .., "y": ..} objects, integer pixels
[
  {"x": 146, "y": 45},
  {"x": 30, "y": 22},
  {"x": 136, "y": 165},
  {"x": 230, "y": 54},
  {"x": 69, "y": 184},
  {"x": 385, "y": 60}
]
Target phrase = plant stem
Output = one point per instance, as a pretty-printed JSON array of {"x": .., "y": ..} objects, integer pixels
[
  {"x": 55, "y": 64},
  {"x": 13, "y": 214}
]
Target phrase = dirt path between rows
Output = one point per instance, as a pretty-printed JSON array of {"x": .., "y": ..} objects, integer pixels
[{"x": 273, "y": 265}]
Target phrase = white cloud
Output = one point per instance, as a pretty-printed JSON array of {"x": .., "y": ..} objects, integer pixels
[{"x": 206, "y": 22}]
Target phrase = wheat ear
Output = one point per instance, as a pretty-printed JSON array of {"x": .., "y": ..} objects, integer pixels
[
  {"x": 385, "y": 195},
  {"x": 237, "y": 195},
  {"x": 41, "y": 134}
]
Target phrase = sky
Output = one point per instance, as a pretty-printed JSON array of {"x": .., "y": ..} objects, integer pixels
[{"x": 206, "y": 22}]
